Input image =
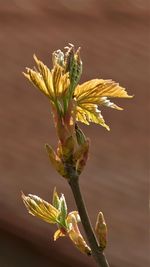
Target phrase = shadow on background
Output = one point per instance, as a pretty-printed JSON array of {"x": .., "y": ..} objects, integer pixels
[{"x": 114, "y": 40}]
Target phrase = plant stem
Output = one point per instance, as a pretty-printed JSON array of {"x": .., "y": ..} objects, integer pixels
[{"x": 97, "y": 254}]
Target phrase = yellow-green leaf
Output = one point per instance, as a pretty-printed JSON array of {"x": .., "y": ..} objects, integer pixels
[
  {"x": 37, "y": 80},
  {"x": 40, "y": 208},
  {"x": 55, "y": 160},
  {"x": 56, "y": 200},
  {"x": 92, "y": 90},
  {"x": 46, "y": 76},
  {"x": 60, "y": 81},
  {"x": 63, "y": 210},
  {"x": 94, "y": 93},
  {"x": 87, "y": 113}
]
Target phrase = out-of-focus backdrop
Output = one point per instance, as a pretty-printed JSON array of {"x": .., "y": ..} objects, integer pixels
[{"x": 115, "y": 44}]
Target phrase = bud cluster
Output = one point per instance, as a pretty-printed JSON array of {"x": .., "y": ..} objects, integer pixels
[
  {"x": 72, "y": 152},
  {"x": 57, "y": 213}
]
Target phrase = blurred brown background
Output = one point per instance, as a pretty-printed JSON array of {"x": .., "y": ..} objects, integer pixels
[{"x": 114, "y": 37}]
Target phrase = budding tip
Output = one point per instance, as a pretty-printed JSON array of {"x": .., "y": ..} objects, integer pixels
[
  {"x": 107, "y": 128},
  {"x": 46, "y": 146},
  {"x": 78, "y": 50},
  {"x": 28, "y": 70},
  {"x": 100, "y": 215},
  {"x": 35, "y": 58},
  {"x": 23, "y": 195},
  {"x": 71, "y": 44}
]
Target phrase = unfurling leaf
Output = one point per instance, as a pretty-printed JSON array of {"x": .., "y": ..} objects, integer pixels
[
  {"x": 73, "y": 65},
  {"x": 91, "y": 91},
  {"x": 88, "y": 112},
  {"x": 37, "y": 80},
  {"x": 63, "y": 210},
  {"x": 94, "y": 93},
  {"x": 76, "y": 236},
  {"x": 40, "y": 208},
  {"x": 56, "y": 200},
  {"x": 52, "y": 83},
  {"x": 57, "y": 214},
  {"x": 55, "y": 161},
  {"x": 81, "y": 138},
  {"x": 101, "y": 231}
]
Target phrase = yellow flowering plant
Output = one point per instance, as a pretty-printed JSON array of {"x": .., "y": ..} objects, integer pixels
[{"x": 71, "y": 102}]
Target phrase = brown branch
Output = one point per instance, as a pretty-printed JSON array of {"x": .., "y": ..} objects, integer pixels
[{"x": 96, "y": 252}]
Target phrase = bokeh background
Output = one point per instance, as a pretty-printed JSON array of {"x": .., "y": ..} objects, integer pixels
[{"x": 114, "y": 36}]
